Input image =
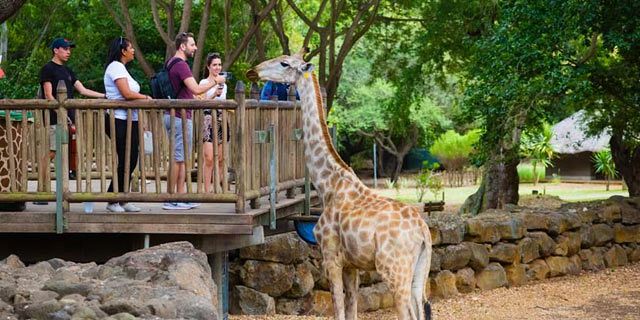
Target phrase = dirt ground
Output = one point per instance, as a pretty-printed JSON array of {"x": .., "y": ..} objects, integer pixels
[{"x": 607, "y": 294}]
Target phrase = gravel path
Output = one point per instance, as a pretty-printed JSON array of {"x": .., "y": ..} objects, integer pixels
[{"x": 607, "y": 294}]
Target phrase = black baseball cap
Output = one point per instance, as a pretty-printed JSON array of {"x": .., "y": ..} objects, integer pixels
[{"x": 61, "y": 42}]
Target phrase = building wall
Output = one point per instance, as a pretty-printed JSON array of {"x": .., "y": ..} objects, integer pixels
[{"x": 572, "y": 167}]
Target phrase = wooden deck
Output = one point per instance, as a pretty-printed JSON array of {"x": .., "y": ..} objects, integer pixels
[{"x": 208, "y": 218}]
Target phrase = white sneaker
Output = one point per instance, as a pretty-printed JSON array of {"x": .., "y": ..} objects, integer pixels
[
  {"x": 128, "y": 207},
  {"x": 115, "y": 207},
  {"x": 191, "y": 204},
  {"x": 175, "y": 206}
]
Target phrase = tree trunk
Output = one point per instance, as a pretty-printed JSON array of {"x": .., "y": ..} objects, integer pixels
[
  {"x": 202, "y": 36},
  {"x": 535, "y": 173},
  {"x": 9, "y": 7},
  {"x": 499, "y": 187},
  {"x": 627, "y": 160}
]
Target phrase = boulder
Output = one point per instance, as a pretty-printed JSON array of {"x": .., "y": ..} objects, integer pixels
[
  {"x": 545, "y": 243},
  {"x": 553, "y": 223},
  {"x": 443, "y": 285},
  {"x": 285, "y": 248},
  {"x": 591, "y": 260},
  {"x": 253, "y": 302},
  {"x": 294, "y": 306},
  {"x": 587, "y": 236},
  {"x": 626, "y": 234},
  {"x": 529, "y": 250},
  {"x": 11, "y": 262},
  {"x": 567, "y": 244},
  {"x": 271, "y": 278},
  {"x": 455, "y": 257},
  {"x": 537, "y": 270},
  {"x": 615, "y": 257},
  {"x": 451, "y": 227},
  {"x": 302, "y": 282},
  {"x": 516, "y": 275},
  {"x": 436, "y": 260},
  {"x": 504, "y": 253},
  {"x": 436, "y": 237},
  {"x": 493, "y": 276},
  {"x": 560, "y": 266},
  {"x": 493, "y": 225},
  {"x": 465, "y": 280},
  {"x": 321, "y": 303},
  {"x": 603, "y": 234},
  {"x": 479, "y": 258}
]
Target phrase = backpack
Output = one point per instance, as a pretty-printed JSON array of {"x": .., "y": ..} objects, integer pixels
[{"x": 161, "y": 87}]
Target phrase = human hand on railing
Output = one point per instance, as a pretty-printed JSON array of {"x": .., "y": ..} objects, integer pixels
[{"x": 220, "y": 80}]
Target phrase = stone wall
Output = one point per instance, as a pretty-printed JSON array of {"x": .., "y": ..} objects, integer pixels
[{"x": 492, "y": 250}]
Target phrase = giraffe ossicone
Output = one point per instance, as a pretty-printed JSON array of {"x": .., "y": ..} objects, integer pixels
[{"x": 358, "y": 230}]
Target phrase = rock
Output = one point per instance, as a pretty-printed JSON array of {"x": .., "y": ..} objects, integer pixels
[
  {"x": 451, "y": 227},
  {"x": 368, "y": 299},
  {"x": 560, "y": 266},
  {"x": 84, "y": 313},
  {"x": 191, "y": 275},
  {"x": 162, "y": 308},
  {"x": 271, "y": 278},
  {"x": 610, "y": 213},
  {"x": 479, "y": 258},
  {"x": 537, "y": 270},
  {"x": 455, "y": 257},
  {"x": 436, "y": 260},
  {"x": 285, "y": 248},
  {"x": 516, "y": 275},
  {"x": 11, "y": 262},
  {"x": 294, "y": 306},
  {"x": 615, "y": 257},
  {"x": 436, "y": 237},
  {"x": 57, "y": 263},
  {"x": 59, "y": 315},
  {"x": 322, "y": 304},
  {"x": 587, "y": 216},
  {"x": 552, "y": 222},
  {"x": 480, "y": 230},
  {"x": 119, "y": 305},
  {"x": 591, "y": 260},
  {"x": 253, "y": 302},
  {"x": 603, "y": 234},
  {"x": 634, "y": 254},
  {"x": 7, "y": 290},
  {"x": 465, "y": 280},
  {"x": 368, "y": 278},
  {"x": 39, "y": 309},
  {"x": 587, "y": 237},
  {"x": 302, "y": 282},
  {"x": 195, "y": 307},
  {"x": 567, "y": 244},
  {"x": 493, "y": 276},
  {"x": 122, "y": 316},
  {"x": 626, "y": 234},
  {"x": 66, "y": 288},
  {"x": 505, "y": 253},
  {"x": 624, "y": 209},
  {"x": 544, "y": 241},
  {"x": 443, "y": 285},
  {"x": 529, "y": 250},
  {"x": 493, "y": 226}
]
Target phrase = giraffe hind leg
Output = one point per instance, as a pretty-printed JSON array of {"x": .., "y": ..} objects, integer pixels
[{"x": 351, "y": 284}]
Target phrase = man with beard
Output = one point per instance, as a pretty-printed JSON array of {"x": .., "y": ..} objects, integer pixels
[{"x": 185, "y": 87}]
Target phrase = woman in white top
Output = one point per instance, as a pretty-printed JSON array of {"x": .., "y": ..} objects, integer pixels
[
  {"x": 119, "y": 85},
  {"x": 212, "y": 73}
]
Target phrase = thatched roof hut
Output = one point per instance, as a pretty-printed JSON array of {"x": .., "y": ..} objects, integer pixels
[{"x": 570, "y": 136}]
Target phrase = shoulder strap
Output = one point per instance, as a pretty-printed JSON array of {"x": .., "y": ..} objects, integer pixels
[{"x": 173, "y": 62}]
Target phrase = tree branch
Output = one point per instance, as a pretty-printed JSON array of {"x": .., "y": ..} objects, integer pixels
[
  {"x": 242, "y": 45},
  {"x": 156, "y": 21}
]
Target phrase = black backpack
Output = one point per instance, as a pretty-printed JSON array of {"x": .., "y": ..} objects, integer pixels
[{"x": 161, "y": 87}]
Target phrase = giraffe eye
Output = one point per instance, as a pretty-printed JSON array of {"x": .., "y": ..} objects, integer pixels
[{"x": 284, "y": 64}]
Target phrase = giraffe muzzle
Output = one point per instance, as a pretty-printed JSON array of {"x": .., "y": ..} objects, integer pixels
[{"x": 252, "y": 75}]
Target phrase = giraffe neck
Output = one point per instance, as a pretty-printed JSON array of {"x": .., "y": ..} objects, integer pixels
[{"x": 323, "y": 161}]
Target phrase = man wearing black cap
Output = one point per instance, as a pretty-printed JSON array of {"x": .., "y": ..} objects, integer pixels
[{"x": 53, "y": 72}]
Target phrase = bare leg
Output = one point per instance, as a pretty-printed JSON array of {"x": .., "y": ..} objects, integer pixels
[
  {"x": 221, "y": 173},
  {"x": 180, "y": 177},
  {"x": 351, "y": 283},
  {"x": 208, "y": 165}
]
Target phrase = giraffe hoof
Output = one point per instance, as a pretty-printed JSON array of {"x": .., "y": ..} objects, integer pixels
[{"x": 427, "y": 311}]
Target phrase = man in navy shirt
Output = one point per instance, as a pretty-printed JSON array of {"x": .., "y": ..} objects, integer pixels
[{"x": 276, "y": 89}]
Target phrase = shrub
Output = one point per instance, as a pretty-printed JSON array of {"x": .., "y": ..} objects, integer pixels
[{"x": 454, "y": 150}]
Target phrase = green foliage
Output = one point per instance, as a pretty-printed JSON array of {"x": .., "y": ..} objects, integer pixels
[
  {"x": 454, "y": 150},
  {"x": 526, "y": 174},
  {"x": 428, "y": 179},
  {"x": 603, "y": 163},
  {"x": 536, "y": 147}
]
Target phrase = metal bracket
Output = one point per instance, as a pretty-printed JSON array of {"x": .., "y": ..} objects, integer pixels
[
  {"x": 261, "y": 136},
  {"x": 297, "y": 134}
]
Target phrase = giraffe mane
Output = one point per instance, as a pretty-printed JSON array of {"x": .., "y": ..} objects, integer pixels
[{"x": 323, "y": 124}]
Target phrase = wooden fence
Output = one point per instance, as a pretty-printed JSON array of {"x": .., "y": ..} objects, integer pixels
[{"x": 257, "y": 130}]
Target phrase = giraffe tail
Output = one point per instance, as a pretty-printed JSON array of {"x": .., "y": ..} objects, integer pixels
[{"x": 420, "y": 276}]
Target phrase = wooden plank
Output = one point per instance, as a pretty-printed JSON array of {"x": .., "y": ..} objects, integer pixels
[
  {"x": 162, "y": 218},
  {"x": 28, "y": 228},
  {"x": 26, "y": 218},
  {"x": 216, "y": 243},
  {"x": 155, "y": 228}
]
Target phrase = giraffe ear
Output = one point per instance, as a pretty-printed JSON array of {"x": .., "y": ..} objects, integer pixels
[{"x": 306, "y": 67}]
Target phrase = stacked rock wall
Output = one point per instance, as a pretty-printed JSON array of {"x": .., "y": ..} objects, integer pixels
[{"x": 492, "y": 250}]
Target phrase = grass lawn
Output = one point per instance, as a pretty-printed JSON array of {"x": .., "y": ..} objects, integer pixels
[{"x": 571, "y": 192}]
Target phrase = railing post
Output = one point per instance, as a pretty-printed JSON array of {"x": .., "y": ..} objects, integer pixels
[
  {"x": 291, "y": 192},
  {"x": 62, "y": 164},
  {"x": 273, "y": 176},
  {"x": 255, "y": 91},
  {"x": 240, "y": 152}
]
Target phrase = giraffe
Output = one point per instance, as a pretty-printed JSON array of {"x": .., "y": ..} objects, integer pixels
[
  {"x": 358, "y": 230},
  {"x": 5, "y": 158}
]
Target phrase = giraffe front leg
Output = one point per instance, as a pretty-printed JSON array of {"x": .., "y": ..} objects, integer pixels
[
  {"x": 334, "y": 274},
  {"x": 351, "y": 283}
]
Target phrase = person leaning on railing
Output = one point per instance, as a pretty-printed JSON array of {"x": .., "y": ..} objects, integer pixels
[
  {"x": 53, "y": 71},
  {"x": 120, "y": 85}
]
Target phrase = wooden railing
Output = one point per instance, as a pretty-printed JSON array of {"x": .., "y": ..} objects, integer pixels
[{"x": 246, "y": 154}]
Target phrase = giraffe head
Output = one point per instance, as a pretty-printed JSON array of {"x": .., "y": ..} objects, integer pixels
[{"x": 281, "y": 69}]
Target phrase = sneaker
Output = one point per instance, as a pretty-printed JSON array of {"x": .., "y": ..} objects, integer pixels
[
  {"x": 128, "y": 207},
  {"x": 175, "y": 206},
  {"x": 191, "y": 204},
  {"x": 115, "y": 207}
]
